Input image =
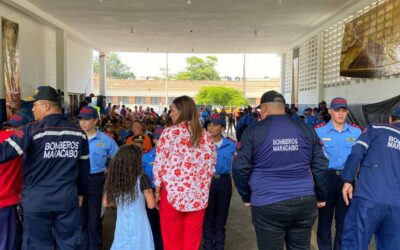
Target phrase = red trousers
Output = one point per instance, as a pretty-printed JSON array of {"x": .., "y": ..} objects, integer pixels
[{"x": 180, "y": 230}]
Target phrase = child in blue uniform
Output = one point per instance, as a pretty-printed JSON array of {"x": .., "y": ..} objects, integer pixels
[
  {"x": 221, "y": 186},
  {"x": 129, "y": 189},
  {"x": 153, "y": 214}
]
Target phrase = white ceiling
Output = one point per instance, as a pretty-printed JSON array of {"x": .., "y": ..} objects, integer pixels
[{"x": 203, "y": 26}]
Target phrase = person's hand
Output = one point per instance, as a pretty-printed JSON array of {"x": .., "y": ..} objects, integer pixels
[
  {"x": 157, "y": 198},
  {"x": 80, "y": 200},
  {"x": 321, "y": 204},
  {"x": 347, "y": 192},
  {"x": 247, "y": 204}
]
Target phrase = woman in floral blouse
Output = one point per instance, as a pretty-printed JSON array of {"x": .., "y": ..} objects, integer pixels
[{"x": 185, "y": 162}]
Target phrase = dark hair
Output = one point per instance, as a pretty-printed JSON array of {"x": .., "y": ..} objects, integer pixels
[
  {"x": 189, "y": 114},
  {"x": 123, "y": 174}
]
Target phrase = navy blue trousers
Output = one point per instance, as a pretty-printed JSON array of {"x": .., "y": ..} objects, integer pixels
[
  {"x": 59, "y": 230},
  {"x": 217, "y": 213},
  {"x": 91, "y": 213},
  {"x": 154, "y": 219},
  {"x": 289, "y": 221},
  {"x": 10, "y": 228},
  {"x": 366, "y": 218},
  {"x": 335, "y": 206}
]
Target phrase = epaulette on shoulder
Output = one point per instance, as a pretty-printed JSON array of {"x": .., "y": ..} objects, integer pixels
[
  {"x": 320, "y": 125},
  {"x": 356, "y": 126},
  {"x": 231, "y": 139}
]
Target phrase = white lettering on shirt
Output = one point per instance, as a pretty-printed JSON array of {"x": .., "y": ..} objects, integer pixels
[
  {"x": 62, "y": 149},
  {"x": 285, "y": 145},
  {"x": 393, "y": 142}
]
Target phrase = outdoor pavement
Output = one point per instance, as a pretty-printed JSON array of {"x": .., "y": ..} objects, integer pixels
[{"x": 240, "y": 233}]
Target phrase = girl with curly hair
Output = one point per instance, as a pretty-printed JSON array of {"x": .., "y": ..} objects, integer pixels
[{"x": 129, "y": 189}]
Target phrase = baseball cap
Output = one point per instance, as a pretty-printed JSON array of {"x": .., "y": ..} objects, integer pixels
[
  {"x": 157, "y": 133},
  {"x": 396, "y": 111},
  {"x": 88, "y": 112},
  {"x": 217, "y": 119},
  {"x": 44, "y": 93},
  {"x": 271, "y": 96},
  {"x": 338, "y": 103},
  {"x": 19, "y": 119}
]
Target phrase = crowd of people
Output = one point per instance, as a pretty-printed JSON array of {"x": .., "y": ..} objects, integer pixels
[{"x": 171, "y": 176}]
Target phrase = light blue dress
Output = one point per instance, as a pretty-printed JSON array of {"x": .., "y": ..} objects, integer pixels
[{"x": 132, "y": 230}]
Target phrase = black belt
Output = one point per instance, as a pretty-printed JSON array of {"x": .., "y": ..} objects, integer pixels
[
  {"x": 335, "y": 172},
  {"x": 97, "y": 174},
  {"x": 221, "y": 176}
]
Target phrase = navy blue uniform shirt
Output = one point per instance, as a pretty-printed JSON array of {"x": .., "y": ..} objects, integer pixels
[
  {"x": 56, "y": 165},
  {"x": 280, "y": 159},
  {"x": 378, "y": 152}
]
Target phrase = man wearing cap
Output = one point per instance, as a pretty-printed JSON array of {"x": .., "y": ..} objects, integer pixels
[
  {"x": 281, "y": 172},
  {"x": 11, "y": 189},
  {"x": 337, "y": 137},
  {"x": 101, "y": 149},
  {"x": 153, "y": 214},
  {"x": 221, "y": 186},
  {"x": 55, "y": 172},
  {"x": 375, "y": 205}
]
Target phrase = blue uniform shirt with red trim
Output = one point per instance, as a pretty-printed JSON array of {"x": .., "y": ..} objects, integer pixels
[
  {"x": 337, "y": 145},
  {"x": 56, "y": 163}
]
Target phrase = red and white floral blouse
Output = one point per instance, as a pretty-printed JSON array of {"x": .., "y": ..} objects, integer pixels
[{"x": 184, "y": 171}]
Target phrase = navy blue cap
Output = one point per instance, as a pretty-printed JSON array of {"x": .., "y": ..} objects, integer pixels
[
  {"x": 17, "y": 120},
  {"x": 338, "y": 103},
  {"x": 396, "y": 111},
  {"x": 88, "y": 112},
  {"x": 44, "y": 93},
  {"x": 217, "y": 119},
  {"x": 157, "y": 133}
]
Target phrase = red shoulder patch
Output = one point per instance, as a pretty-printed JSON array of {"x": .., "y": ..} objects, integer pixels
[
  {"x": 19, "y": 133},
  {"x": 319, "y": 125}
]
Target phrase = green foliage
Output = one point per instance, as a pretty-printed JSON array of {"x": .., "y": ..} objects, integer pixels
[
  {"x": 114, "y": 67},
  {"x": 220, "y": 96},
  {"x": 199, "y": 69}
]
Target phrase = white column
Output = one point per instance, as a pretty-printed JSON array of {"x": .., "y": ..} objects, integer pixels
[
  {"x": 166, "y": 81},
  {"x": 102, "y": 74},
  {"x": 244, "y": 75}
]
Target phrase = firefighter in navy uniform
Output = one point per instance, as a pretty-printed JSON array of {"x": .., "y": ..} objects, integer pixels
[
  {"x": 281, "y": 173},
  {"x": 375, "y": 205},
  {"x": 55, "y": 174}
]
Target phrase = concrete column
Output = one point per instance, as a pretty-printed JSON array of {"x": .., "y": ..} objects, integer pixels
[
  {"x": 320, "y": 68},
  {"x": 3, "y": 111},
  {"x": 61, "y": 61},
  {"x": 102, "y": 74}
]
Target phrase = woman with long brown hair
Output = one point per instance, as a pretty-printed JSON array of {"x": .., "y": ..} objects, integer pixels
[{"x": 185, "y": 162}]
